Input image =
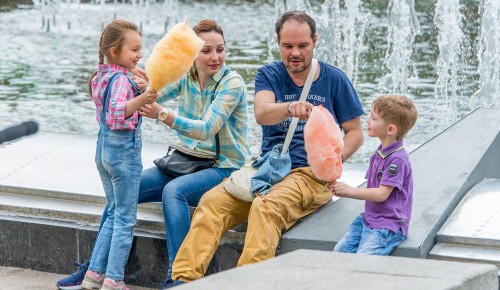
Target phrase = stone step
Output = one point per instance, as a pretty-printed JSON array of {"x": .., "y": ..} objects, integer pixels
[
  {"x": 86, "y": 210},
  {"x": 471, "y": 232},
  {"x": 73, "y": 207},
  {"x": 309, "y": 269},
  {"x": 475, "y": 220},
  {"x": 466, "y": 253},
  {"x": 467, "y": 240}
]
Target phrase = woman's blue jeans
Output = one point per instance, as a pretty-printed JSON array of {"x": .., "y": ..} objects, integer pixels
[{"x": 177, "y": 196}]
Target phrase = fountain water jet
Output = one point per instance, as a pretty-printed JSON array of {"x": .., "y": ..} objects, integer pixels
[
  {"x": 402, "y": 29},
  {"x": 488, "y": 94},
  {"x": 448, "y": 19}
]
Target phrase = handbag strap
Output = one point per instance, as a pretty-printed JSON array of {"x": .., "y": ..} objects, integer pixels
[
  {"x": 217, "y": 144},
  {"x": 303, "y": 97}
]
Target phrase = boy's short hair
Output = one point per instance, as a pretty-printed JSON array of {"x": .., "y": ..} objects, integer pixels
[{"x": 396, "y": 110}]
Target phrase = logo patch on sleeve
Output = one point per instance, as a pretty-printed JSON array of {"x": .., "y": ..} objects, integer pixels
[{"x": 393, "y": 169}]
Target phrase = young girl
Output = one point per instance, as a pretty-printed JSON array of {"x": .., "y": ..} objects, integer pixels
[{"x": 118, "y": 153}]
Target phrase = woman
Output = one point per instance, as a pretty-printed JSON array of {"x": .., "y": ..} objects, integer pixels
[
  {"x": 196, "y": 122},
  {"x": 226, "y": 115}
]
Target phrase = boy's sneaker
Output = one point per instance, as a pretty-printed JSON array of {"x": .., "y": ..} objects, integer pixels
[
  {"x": 92, "y": 280},
  {"x": 110, "y": 284},
  {"x": 74, "y": 281}
]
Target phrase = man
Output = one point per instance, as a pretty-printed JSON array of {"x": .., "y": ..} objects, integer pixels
[{"x": 277, "y": 89}]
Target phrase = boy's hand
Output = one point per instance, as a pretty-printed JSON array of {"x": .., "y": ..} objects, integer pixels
[
  {"x": 340, "y": 189},
  {"x": 149, "y": 96}
]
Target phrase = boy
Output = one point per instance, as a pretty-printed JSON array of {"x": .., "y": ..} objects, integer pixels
[{"x": 384, "y": 223}]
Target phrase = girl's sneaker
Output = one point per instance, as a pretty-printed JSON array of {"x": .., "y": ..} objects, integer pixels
[
  {"x": 110, "y": 284},
  {"x": 92, "y": 280}
]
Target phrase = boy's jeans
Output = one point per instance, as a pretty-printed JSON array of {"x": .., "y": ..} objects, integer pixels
[
  {"x": 118, "y": 160},
  {"x": 363, "y": 240}
]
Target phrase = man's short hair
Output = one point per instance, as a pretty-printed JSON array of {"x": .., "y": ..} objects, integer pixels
[
  {"x": 396, "y": 110},
  {"x": 295, "y": 15}
]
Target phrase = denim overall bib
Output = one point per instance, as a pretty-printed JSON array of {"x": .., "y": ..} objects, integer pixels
[{"x": 118, "y": 160}]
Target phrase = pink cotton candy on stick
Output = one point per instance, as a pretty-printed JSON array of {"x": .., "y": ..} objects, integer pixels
[{"x": 324, "y": 144}]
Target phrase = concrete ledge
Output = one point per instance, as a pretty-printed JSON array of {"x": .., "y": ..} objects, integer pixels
[
  {"x": 307, "y": 269},
  {"x": 445, "y": 168},
  {"x": 52, "y": 246}
]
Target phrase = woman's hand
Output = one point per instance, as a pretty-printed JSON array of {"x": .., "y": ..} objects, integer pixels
[
  {"x": 139, "y": 72},
  {"x": 150, "y": 110},
  {"x": 141, "y": 83}
]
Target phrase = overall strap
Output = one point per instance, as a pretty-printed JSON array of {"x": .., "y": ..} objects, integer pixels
[
  {"x": 107, "y": 91},
  {"x": 217, "y": 145},
  {"x": 106, "y": 96}
]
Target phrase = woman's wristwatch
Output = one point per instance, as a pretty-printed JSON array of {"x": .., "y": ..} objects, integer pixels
[{"x": 162, "y": 115}]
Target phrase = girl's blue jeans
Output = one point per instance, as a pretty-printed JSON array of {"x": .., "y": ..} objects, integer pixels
[
  {"x": 177, "y": 196},
  {"x": 118, "y": 160},
  {"x": 363, "y": 240}
]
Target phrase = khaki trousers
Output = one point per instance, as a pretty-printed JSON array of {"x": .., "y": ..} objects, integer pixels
[{"x": 294, "y": 197}]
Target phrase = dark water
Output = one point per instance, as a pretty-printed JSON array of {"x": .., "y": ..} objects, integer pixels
[{"x": 48, "y": 53}]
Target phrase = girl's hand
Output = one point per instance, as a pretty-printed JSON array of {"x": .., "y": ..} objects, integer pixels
[{"x": 149, "y": 96}]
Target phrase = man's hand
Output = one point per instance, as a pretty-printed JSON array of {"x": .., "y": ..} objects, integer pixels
[{"x": 298, "y": 109}]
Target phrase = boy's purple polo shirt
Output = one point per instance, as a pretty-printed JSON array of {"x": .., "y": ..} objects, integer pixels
[{"x": 390, "y": 166}]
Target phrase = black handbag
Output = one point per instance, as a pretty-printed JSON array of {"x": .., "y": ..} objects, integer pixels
[{"x": 181, "y": 160}]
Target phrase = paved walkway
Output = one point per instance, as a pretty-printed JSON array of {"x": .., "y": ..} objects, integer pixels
[{"x": 24, "y": 279}]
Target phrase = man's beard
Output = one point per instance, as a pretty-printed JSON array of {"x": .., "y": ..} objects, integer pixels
[{"x": 296, "y": 69}]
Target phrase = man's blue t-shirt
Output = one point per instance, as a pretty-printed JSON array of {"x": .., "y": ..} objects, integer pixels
[{"x": 332, "y": 90}]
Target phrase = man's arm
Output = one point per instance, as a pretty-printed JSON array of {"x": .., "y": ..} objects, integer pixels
[
  {"x": 268, "y": 112},
  {"x": 353, "y": 138}
]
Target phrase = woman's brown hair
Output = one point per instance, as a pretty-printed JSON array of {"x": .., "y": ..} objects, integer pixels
[{"x": 205, "y": 25}]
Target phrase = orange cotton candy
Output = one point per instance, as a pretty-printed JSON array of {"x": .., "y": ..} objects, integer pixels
[
  {"x": 324, "y": 144},
  {"x": 173, "y": 55}
]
